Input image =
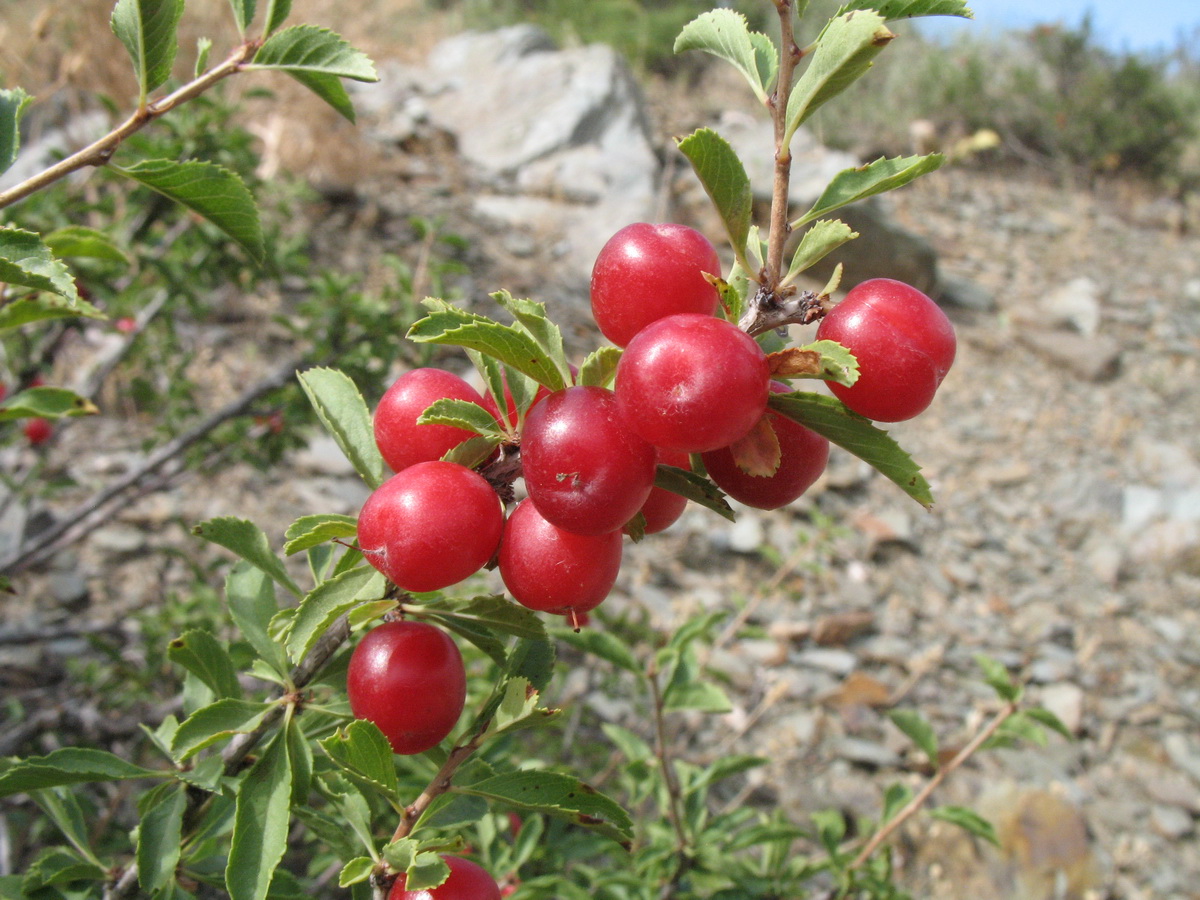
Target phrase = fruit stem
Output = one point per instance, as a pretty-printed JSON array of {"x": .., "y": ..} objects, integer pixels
[{"x": 438, "y": 785}]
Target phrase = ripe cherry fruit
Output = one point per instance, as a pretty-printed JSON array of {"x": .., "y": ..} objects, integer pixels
[
  {"x": 663, "y": 507},
  {"x": 403, "y": 442},
  {"x": 38, "y": 431},
  {"x": 646, "y": 272},
  {"x": 584, "y": 468},
  {"x": 408, "y": 678},
  {"x": 552, "y": 570},
  {"x": 692, "y": 383},
  {"x": 904, "y": 343},
  {"x": 431, "y": 525},
  {"x": 803, "y": 455},
  {"x": 467, "y": 881}
]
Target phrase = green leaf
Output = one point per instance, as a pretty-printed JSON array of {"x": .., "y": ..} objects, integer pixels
[
  {"x": 249, "y": 542},
  {"x": 532, "y": 660},
  {"x": 70, "y": 765},
  {"x": 462, "y": 414},
  {"x": 426, "y": 871},
  {"x": 851, "y": 185},
  {"x": 148, "y": 28},
  {"x": 203, "y": 48},
  {"x": 62, "y": 807},
  {"x": 686, "y": 690},
  {"x": 46, "y": 402},
  {"x": 844, "y": 52},
  {"x": 968, "y": 820},
  {"x": 26, "y": 261},
  {"x": 473, "y": 451},
  {"x": 400, "y": 854},
  {"x": 1043, "y": 716},
  {"x": 300, "y": 752},
  {"x": 215, "y": 722},
  {"x": 895, "y": 798},
  {"x": 919, "y": 731},
  {"x": 327, "y": 602},
  {"x": 908, "y": 9},
  {"x": 243, "y": 13},
  {"x": 724, "y": 178},
  {"x": 695, "y": 487},
  {"x": 835, "y": 362},
  {"x": 206, "y": 658},
  {"x": 831, "y": 829},
  {"x": 260, "y": 823},
  {"x": 725, "y": 34},
  {"x": 159, "y": 834},
  {"x": 558, "y": 795},
  {"x": 309, "y": 49},
  {"x": 481, "y": 636},
  {"x": 57, "y": 866},
  {"x": 531, "y": 318},
  {"x": 207, "y": 189},
  {"x": 250, "y": 594},
  {"x": 632, "y": 745},
  {"x": 600, "y": 367},
  {"x": 1017, "y": 727},
  {"x": 493, "y": 612},
  {"x": 344, "y": 413},
  {"x": 603, "y": 644},
  {"x": 818, "y": 242},
  {"x": 277, "y": 12},
  {"x": 358, "y": 869},
  {"x": 517, "y": 708},
  {"x": 312, "y": 531},
  {"x": 364, "y": 754},
  {"x": 829, "y": 417},
  {"x": 330, "y": 89},
  {"x": 78, "y": 241},
  {"x": 510, "y": 345},
  {"x": 13, "y": 104},
  {"x": 997, "y": 677}
]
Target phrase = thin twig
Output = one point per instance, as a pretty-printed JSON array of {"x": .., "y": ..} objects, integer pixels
[
  {"x": 789, "y": 55},
  {"x": 932, "y": 785},
  {"x": 674, "y": 792}
]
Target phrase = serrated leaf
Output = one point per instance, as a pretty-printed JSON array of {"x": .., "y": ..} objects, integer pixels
[
  {"x": 300, "y": 752},
  {"x": 909, "y": 9},
  {"x": 312, "y": 531},
  {"x": 63, "y": 809},
  {"x": 695, "y": 487},
  {"x": 310, "y": 49},
  {"x": 462, "y": 414},
  {"x": 13, "y": 104},
  {"x": 919, "y": 731},
  {"x": 400, "y": 854},
  {"x": 967, "y": 819},
  {"x": 532, "y": 660},
  {"x": 330, "y": 89},
  {"x": 518, "y": 707},
  {"x": 206, "y": 658},
  {"x": 844, "y": 52},
  {"x": 632, "y": 745},
  {"x": 600, "y": 367},
  {"x": 260, "y": 823},
  {"x": 687, "y": 690},
  {"x": 493, "y": 612},
  {"x": 725, "y": 34},
  {"x": 211, "y": 191},
  {"x": 1043, "y": 716},
  {"x": 558, "y": 795},
  {"x": 78, "y": 241},
  {"x": 57, "y": 866},
  {"x": 757, "y": 452},
  {"x": 215, "y": 722},
  {"x": 364, "y": 754},
  {"x": 249, "y": 542},
  {"x": 277, "y": 12},
  {"x": 832, "y": 362},
  {"x": 250, "y": 595},
  {"x": 851, "y": 185},
  {"x": 47, "y": 403},
  {"x": 829, "y": 417},
  {"x": 733, "y": 293},
  {"x": 344, "y": 413},
  {"x": 512, "y": 346},
  {"x": 474, "y": 451},
  {"x": 482, "y": 637},
  {"x": 531, "y": 318},
  {"x": 818, "y": 242},
  {"x": 426, "y": 871},
  {"x": 725, "y": 180},
  {"x": 243, "y": 13},
  {"x": 26, "y": 261},
  {"x": 327, "y": 602},
  {"x": 159, "y": 833},
  {"x": 148, "y": 28},
  {"x": 358, "y": 869},
  {"x": 604, "y": 644},
  {"x": 70, "y": 765},
  {"x": 996, "y": 676}
]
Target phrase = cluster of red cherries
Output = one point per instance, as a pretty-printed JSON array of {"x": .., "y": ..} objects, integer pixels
[{"x": 689, "y": 385}]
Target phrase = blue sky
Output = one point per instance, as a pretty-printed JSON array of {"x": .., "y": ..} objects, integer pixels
[{"x": 1119, "y": 24}]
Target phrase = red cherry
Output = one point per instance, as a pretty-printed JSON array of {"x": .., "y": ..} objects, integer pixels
[
  {"x": 803, "y": 455},
  {"x": 126, "y": 325},
  {"x": 552, "y": 570},
  {"x": 646, "y": 272},
  {"x": 431, "y": 525},
  {"x": 904, "y": 343},
  {"x": 662, "y": 508},
  {"x": 403, "y": 442},
  {"x": 467, "y": 881},
  {"x": 38, "y": 431},
  {"x": 585, "y": 470},
  {"x": 408, "y": 678},
  {"x": 692, "y": 383}
]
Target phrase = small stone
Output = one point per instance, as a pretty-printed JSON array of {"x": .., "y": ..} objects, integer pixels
[
  {"x": 964, "y": 294},
  {"x": 1183, "y": 754},
  {"x": 119, "y": 540},
  {"x": 828, "y": 659},
  {"x": 1075, "y": 305},
  {"x": 1140, "y": 505},
  {"x": 1092, "y": 358},
  {"x": 746, "y": 534},
  {"x": 1171, "y": 822},
  {"x": 69, "y": 590},
  {"x": 867, "y": 753},
  {"x": 1065, "y": 700}
]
